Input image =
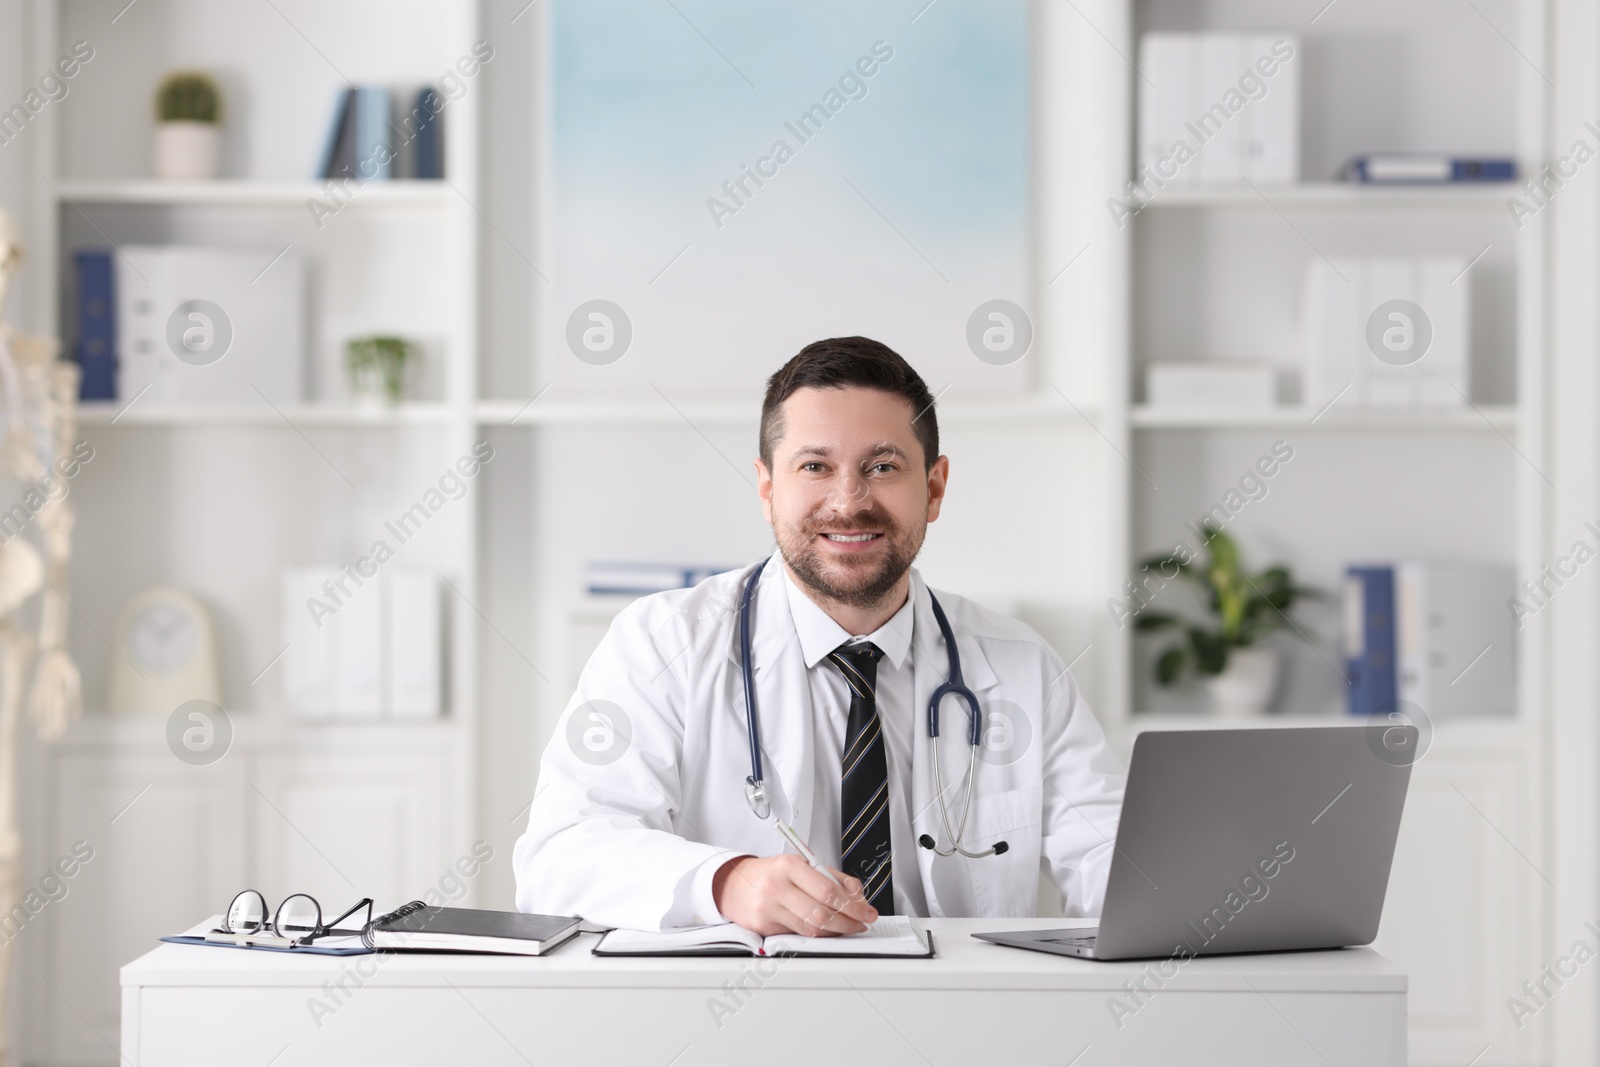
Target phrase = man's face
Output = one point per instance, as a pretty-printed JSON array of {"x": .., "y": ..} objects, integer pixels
[{"x": 848, "y": 496}]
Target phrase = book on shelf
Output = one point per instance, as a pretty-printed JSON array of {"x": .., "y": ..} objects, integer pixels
[
  {"x": 374, "y": 150},
  {"x": 337, "y": 158},
  {"x": 95, "y": 348},
  {"x": 368, "y": 141},
  {"x": 1369, "y": 641},
  {"x": 1427, "y": 168},
  {"x": 420, "y": 146},
  {"x": 642, "y": 579}
]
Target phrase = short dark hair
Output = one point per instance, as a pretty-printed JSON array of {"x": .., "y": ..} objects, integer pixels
[{"x": 845, "y": 362}]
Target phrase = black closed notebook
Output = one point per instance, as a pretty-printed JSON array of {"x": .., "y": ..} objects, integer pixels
[{"x": 419, "y": 927}]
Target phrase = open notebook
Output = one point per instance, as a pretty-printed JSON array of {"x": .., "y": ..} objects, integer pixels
[{"x": 890, "y": 935}]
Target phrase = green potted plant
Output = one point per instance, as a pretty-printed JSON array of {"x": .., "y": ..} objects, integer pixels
[
  {"x": 1226, "y": 651},
  {"x": 188, "y": 114},
  {"x": 378, "y": 367}
]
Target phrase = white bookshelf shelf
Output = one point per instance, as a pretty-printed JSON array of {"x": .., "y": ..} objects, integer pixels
[
  {"x": 1339, "y": 195},
  {"x": 546, "y": 411},
  {"x": 717, "y": 411},
  {"x": 1141, "y": 721},
  {"x": 243, "y": 193},
  {"x": 97, "y": 727},
  {"x": 333, "y": 415},
  {"x": 1481, "y": 417},
  {"x": 1487, "y": 731}
]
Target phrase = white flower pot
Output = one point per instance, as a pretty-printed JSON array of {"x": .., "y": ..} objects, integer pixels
[
  {"x": 1245, "y": 687},
  {"x": 368, "y": 391},
  {"x": 187, "y": 150}
]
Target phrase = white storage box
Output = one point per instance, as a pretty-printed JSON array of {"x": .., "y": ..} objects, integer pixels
[{"x": 1211, "y": 385}]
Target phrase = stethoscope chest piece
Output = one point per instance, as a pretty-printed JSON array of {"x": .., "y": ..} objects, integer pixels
[{"x": 756, "y": 794}]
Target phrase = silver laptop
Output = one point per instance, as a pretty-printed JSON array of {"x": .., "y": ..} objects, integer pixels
[{"x": 1248, "y": 841}]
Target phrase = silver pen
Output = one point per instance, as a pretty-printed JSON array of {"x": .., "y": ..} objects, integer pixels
[{"x": 806, "y": 854}]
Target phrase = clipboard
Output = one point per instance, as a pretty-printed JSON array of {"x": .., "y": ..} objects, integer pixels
[{"x": 344, "y": 942}]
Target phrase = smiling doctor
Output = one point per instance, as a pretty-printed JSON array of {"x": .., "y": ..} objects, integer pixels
[{"x": 643, "y": 816}]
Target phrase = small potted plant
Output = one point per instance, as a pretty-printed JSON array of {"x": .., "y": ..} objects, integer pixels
[
  {"x": 188, "y": 142},
  {"x": 378, "y": 367},
  {"x": 1240, "y": 672}
]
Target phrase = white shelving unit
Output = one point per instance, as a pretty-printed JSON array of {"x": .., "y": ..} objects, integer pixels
[
  {"x": 1216, "y": 273},
  {"x": 219, "y": 500}
]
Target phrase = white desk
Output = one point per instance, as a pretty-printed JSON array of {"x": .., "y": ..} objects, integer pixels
[{"x": 976, "y": 1005}]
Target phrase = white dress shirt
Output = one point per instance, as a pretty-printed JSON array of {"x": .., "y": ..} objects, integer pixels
[{"x": 830, "y": 712}]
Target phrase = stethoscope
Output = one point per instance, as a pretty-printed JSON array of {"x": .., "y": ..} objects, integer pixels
[{"x": 755, "y": 787}]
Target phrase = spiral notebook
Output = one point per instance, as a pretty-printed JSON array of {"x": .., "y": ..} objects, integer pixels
[{"x": 419, "y": 927}]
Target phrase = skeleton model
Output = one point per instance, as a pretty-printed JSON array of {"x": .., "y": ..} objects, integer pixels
[{"x": 36, "y": 410}]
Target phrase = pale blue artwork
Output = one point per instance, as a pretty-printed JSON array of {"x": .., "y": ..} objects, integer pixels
[{"x": 736, "y": 180}]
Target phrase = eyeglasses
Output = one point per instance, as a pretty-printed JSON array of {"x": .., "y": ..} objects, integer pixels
[{"x": 297, "y": 921}]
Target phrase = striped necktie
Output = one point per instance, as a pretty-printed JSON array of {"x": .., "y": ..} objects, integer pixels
[{"x": 864, "y": 846}]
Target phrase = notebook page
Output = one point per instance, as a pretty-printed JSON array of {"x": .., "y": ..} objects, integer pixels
[
  {"x": 890, "y": 935},
  {"x": 681, "y": 939}
]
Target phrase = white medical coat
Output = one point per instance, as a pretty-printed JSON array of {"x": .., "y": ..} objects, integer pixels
[{"x": 641, "y": 791}]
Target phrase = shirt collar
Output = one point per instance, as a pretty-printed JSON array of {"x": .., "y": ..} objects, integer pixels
[{"x": 819, "y": 634}]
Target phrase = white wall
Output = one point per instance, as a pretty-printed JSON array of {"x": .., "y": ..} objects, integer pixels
[{"x": 511, "y": 690}]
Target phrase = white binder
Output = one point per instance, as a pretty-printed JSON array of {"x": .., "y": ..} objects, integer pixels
[
  {"x": 1207, "y": 91},
  {"x": 201, "y": 324},
  {"x": 1344, "y": 296},
  {"x": 1455, "y": 640},
  {"x": 363, "y": 652}
]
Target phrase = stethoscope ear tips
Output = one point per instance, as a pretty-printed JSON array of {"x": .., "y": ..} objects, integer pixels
[{"x": 1000, "y": 848}]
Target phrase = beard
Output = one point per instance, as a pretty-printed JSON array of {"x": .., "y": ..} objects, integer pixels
[{"x": 857, "y": 582}]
